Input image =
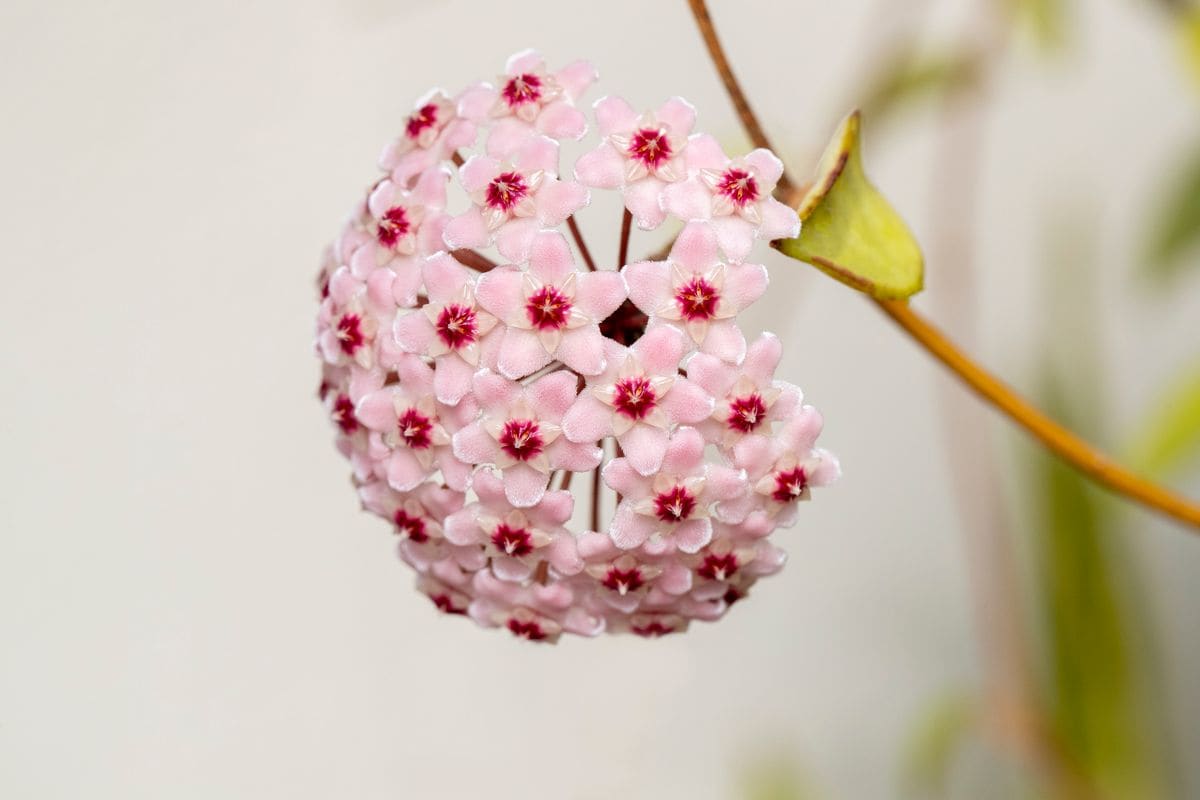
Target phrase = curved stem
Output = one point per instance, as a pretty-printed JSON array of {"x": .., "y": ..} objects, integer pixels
[
  {"x": 583, "y": 248},
  {"x": 1056, "y": 438}
]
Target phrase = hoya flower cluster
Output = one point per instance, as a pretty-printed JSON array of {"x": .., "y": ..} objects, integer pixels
[{"x": 562, "y": 444}]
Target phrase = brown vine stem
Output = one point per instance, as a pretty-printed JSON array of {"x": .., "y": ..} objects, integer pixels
[
  {"x": 475, "y": 260},
  {"x": 623, "y": 247},
  {"x": 583, "y": 248},
  {"x": 1056, "y": 438}
]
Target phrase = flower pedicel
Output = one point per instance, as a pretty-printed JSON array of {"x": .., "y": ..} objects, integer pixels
[{"x": 473, "y": 367}]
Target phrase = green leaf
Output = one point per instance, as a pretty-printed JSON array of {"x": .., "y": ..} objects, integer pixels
[
  {"x": 910, "y": 78},
  {"x": 850, "y": 231},
  {"x": 937, "y": 740},
  {"x": 1170, "y": 437},
  {"x": 1175, "y": 230}
]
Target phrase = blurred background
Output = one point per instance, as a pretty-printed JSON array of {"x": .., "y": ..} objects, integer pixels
[{"x": 192, "y": 606}]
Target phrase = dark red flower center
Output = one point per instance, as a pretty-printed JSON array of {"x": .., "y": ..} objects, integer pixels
[
  {"x": 416, "y": 429},
  {"x": 456, "y": 325},
  {"x": 634, "y": 397},
  {"x": 409, "y": 526},
  {"x": 515, "y": 542},
  {"x": 650, "y": 147},
  {"x": 505, "y": 191},
  {"x": 623, "y": 580},
  {"x": 697, "y": 299},
  {"x": 521, "y": 439},
  {"x": 343, "y": 414},
  {"x": 445, "y": 603},
  {"x": 526, "y": 630},
  {"x": 674, "y": 505},
  {"x": 393, "y": 226},
  {"x": 521, "y": 89},
  {"x": 789, "y": 485},
  {"x": 732, "y": 595},
  {"x": 718, "y": 566},
  {"x": 349, "y": 333},
  {"x": 739, "y": 186},
  {"x": 652, "y": 629},
  {"x": 746, "y": 413},
  {"x": 424, "y": 117},
  {"x": 548, "y": 309}
]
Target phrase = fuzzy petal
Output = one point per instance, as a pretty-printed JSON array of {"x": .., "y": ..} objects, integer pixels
[
  {"x": 521, "y": 354},
  {"x": 524, "y": 486},
  {"x": 582, "y": 350},
  {"x": 587, "y": 420},
  {"x": 642, "y": 199},
  {"x": 644, "y": 446},
  {"x": 602, "y": 168}
]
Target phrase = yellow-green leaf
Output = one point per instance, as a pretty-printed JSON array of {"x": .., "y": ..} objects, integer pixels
[
  {"x": 1170, "y": 438},
  {"x": 1189, "y": 36},
  {"x": 850, "y": 231}
]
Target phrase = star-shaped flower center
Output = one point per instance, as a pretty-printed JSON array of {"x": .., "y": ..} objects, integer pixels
[
  {"x": 512, "y": 540},
  {"x": 623, "y": 581},
  {"x": 410, "y": 526},
  {"x": 445, "y": 603},
  {"x": 674, "y": 505},
  {"x": 343, "y": 414},
  {"x": 718, "y": 566},
  {"x": 393, "y": 226},
  {"x": 789, "y": 485},
  {"x": 738, "y": 186},
  {"x": 415, "y": 429},
  {"x": 548, "y": 309},
  {"x": 530, "y": 629},
  {"x": 505, "y": 191},
  {"x": 522, "y": 89},
  {"x": 650, "y": 147},
  {"x": 423, "y": 118},
  {"x": 634, "y": 397},
  {"x": 697, "y": 299},
  {"x": 521, "y": 439},
  {"x": 746, "y": 413},
  {"x": 456, "y": 325},
  {"x": 350, "y": 333}
]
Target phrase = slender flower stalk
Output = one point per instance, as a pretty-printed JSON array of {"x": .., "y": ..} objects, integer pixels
[{"x": 1057, "y": 439}]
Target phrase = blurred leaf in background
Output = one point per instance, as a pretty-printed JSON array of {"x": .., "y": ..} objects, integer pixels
[
  {"x": 774, "y": 777},
  {"x": 910, "y": 78},
  {"x": 1175, "y": 228},
  {"x": 1044, "y": 20},
  {"x": 937, "y": 740},
  {"x": 1169, "y": 439}
]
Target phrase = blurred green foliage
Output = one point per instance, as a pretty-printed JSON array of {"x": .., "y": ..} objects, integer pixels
[
  {"x": 1044, "y": 20},
  {"x": 1170, "y": 436},
  {"x": 936, "y": 741},
  {"x": 910, "y": 78},
  {"x": 1174, "y": 237}
]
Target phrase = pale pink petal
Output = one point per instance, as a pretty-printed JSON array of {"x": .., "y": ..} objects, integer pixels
[
  {"x": 538, "y": 153},
  {"x": 561, "y": 120},
  {"x": 576, "y": 77},
  {"x": 444, "y": 277},
  {"x": 660, "y": 349},
  {"x": 377, "y": 410},
  {"x": 416, "y": 377},
  {"x": 725, "y": 341},
  {"x": 778, "y": 221},
  {"x": 507, "y": 136},
  {"x": 685, "y": 453},
  {"x": 551, "y": 395},
  {"x": 490, "y": 488},
  {"x": 744, "y": 283},
  {"x": 600, "y": 294},
  {"x": 630, "y": 529},
  {"x": 455, "y": 473},
  {"x": 550, "y": 258},
  {"x": 595, "y": 546},
  {"x": 466, "y": 230},
  {"x": 524, "y": 485},
  {"x": 688, "y": 200},
  {"x": 696, "y": 247},
  {"x": 528, "y": 60},
  {"x": 510, "y": 569},
  {"x": 828, "y": 469},
  {"x": 724, "y": 483},
  {"x": 556, "y": 507},
  {"x": 704, "y": 152},
  {"x": 514, "y": 238},
  {"x": 649, "y": 283},
  {"x": 493, "y": 391},
  {"x": 762, "y": 357},
  {"x": 679, "y": 114},
  {"x": 558, "y": 200},
  {"x": 676, "y": 579},
  {"x": 614, "y": 115},
  {"x": 521, "y": 354},
  {"x": 767, "y": 165},
  {"x": 499, "y": 291},
  {"x": 693, "y": 534},
  {"x": 602, "y": 168},
  {"x": 736, "y": 236},
  {"x": 642, "y": 199},
  {"x": 711, "y": 374},
  {"x": 563, "y": 554},
  {"x": 582, "y": 350},
  {"x": 574, "y": 456},
  {"x": 622, "y": 478},
  {"x": 687, "y": 403},
  {"x": 460, "y": 528},
  {"x": 477, "y": 101},
  {"x": 801, "y": 431},
  {"x": 413, "y": 332},
  {"x": 404, "y": 471},
  {"x": 588, "y": 419},
  {"x": 473, "y": 445},
  {"x": 452, "y": 379},
  {"x": 430, "y": 189},
  {"x": 644, "y": 446},
  {"x": 477, "y": 172}
]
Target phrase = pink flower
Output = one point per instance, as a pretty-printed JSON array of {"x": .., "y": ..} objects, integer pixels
[
  {"x": 640, "y": 155},
  {"x": 693, "y": 288},
  {"x": 450, "y": 327},
  {"x": 414, "y": 430},
  {"x": 519, "y": 432},
  {"x": 551, "y": 311},
  {"x": 432, "y": 133},
  {"x": 406, "y": 223},
  {"x": 528, "y": 100},
  {"x": 624, "y": 581},
  {"x": 638, "y": 398},
  {"x": 416, "y": 517},
  {"x": 735, "y": 195},
  {"x": 749, "y": 401},
  {"x": 349, "y": 319},
  {"x": 671, "y": 510},
  {"x": 513, "y": 200}
]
